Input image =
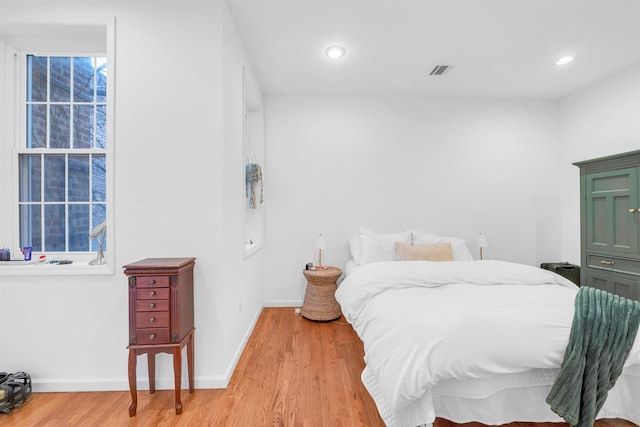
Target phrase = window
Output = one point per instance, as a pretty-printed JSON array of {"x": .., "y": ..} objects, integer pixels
[{"x": 62, "y": 155}]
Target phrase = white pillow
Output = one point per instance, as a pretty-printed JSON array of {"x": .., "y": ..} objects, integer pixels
[
  {"x": 376, "y": 247},
  {"x": 460, "y": 247},
  {"x": 355, "y": 245},
  {"x": 366, "y": 232},
  {"x": 422, "y": 235}
]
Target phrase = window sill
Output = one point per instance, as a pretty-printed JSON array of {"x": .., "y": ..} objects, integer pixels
[{"x": 77, "y": 268}]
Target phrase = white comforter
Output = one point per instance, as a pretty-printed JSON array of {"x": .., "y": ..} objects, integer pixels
[{"x": 424, "y": 322}]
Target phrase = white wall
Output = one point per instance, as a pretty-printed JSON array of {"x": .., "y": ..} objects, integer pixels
[
  {"x": 243, "y": 276},
  {"x": 174, "y": 196},
  {"x": 600, "y": 120},
  {"x": 453, "y": 166}
]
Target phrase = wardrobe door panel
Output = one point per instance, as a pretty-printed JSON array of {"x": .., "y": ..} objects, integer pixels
[{"x": 611, "y": 217}]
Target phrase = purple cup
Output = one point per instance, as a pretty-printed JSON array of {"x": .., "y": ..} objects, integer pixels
[{"x": 26, "y": 251}]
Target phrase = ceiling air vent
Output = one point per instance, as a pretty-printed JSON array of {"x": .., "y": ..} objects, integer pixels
[{"x": 440, "y": 70}]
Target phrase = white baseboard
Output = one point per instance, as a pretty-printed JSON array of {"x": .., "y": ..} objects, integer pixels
[
  {"x": 240, "y": 349},
  {"x": 122, "y": 384},
  {"x": 48, "y": 385},
  {"x": 283, "y": 303}
]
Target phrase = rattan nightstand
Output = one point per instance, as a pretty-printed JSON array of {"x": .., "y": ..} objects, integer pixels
[{"x": 319, "y": 299}]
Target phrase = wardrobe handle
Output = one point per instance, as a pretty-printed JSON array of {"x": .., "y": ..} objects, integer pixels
[
  {"x": 604, "y": 262},
  {"x": 632, "y": 210}
]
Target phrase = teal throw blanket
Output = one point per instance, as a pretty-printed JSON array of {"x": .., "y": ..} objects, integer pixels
[{"x": 602, "y": 334}]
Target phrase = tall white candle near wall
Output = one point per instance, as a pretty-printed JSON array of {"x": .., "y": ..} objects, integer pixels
[{"x": 319, "y": 246}]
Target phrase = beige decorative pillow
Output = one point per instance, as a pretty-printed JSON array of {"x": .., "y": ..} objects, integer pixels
[{"x": 432, "y": 252}]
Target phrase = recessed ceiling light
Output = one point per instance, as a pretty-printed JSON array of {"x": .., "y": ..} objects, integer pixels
[
  {"x": 564, "y": 60},
  {"x": 335, "y": 52}
]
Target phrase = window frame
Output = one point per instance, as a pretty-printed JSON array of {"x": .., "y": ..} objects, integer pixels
[{"x": 15, "y": 87}]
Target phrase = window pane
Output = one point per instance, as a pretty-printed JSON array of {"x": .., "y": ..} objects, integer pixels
[
  {"x": 36, "y": 78},
  {"x": 54, "y": 228},
  {"x": 78, "y": 178},
  {"x": 99, "y": 215},
  {"x": 54, "y": 177},
  {"x": 79, "y": 227},
  {"x": 62, "y": 196},
  {"x": 30, "y": 178},
  {"x": 101, "y": 75},
  {"x": 83, "y": 79},
  {"x": 98, "y": 171},
  {"x": 59, "y": 132},
  {"x": 31, "y": 227},
  {"x": 60, "y": 79},
  {"x": 101, "y": 126},
  {"x": 36, "y": 125},
  {"x": 82, "y": 126}
]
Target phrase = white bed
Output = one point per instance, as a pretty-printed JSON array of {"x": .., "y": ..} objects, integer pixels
[{"x": 467, "y": 341}]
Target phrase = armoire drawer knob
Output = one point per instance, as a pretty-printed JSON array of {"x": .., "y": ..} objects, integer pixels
[
  {"x": 153, "y": 293},
  {"x": 152, "y": 336},
  {"x": 152, "y": 305},
  {"x": 152, "y": 319},
  {"x": 632, "y": 210}
]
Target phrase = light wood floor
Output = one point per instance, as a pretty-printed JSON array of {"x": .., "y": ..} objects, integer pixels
[{"x": 294, "y": 372}]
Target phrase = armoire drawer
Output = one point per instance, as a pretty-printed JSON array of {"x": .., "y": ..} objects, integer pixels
[
  {"x": 152, "y": 281},
  {"x": 609, "y": 263},
  {"x": 152, "y": 293},
  {"x": 152, "y": 319},
  {"x": 152, "y": 305},
  {"x": 152, "y": 336}
]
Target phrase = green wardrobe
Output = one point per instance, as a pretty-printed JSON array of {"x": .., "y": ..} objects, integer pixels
[{"x": 610, "y": 223}]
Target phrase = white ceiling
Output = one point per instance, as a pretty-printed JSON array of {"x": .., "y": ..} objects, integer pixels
[{"x": 499, "y": 48}]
